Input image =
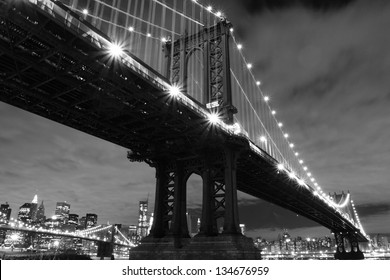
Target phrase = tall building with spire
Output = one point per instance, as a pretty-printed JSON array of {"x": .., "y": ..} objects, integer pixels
[
  {"x": 41, "y": 213},
  {"x": 34, "y": 208},
  {"x": 143, "y": 224}
]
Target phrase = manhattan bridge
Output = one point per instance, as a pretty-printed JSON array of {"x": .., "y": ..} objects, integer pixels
[{"x": 167, "y": 80}]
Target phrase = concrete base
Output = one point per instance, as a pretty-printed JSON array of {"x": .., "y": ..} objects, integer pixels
[
  {"x": 349, "y": 256},
  {"x": 221, "y": 247}
]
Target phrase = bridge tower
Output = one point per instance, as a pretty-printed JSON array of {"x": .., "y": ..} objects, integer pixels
[
  {"x": 214, "y": 160},
  {"x": 347, "y": 243}
]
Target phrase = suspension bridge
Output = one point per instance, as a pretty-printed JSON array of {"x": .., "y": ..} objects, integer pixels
[
  {"x": 169, "y": 81},
  {"x": 106, "y": 236}
]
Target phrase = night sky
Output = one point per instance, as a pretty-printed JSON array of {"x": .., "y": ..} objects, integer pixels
[{"x": 325, "y": 66}]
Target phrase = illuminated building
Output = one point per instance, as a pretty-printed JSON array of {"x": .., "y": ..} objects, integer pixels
[
  {"x": 82, "y": 223},
  {"x": 62, "y": 211},
  {"x": 5, "y": 212},
  {"x": 24, "y": 213},
  {"x": 34, "y": 208},
  {"x": 242, "y": 227},
  {"x": 40, "y": 217},
  {"x": 143, "y": 224},
  {"x": 90, "y": 220},
  {"x": 133, "y": 233},
  {"x": 73, "y": 219}
]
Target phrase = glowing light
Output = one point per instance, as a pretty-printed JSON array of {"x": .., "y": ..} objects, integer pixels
[
  {"x": 280, "y": 124},
  {"x": 312, "y": 179},
  {"x": 286, "y": 135},
  {"x": 291, "y": 175},
  {"x": 249, "y": 65},
  {"x": 305, "y": 168},
  {"x": 291, "y": 145},
  {"x": 280, "y": 166},
  {"x": 164, "y": 40},
  {"x": 85, "y": 12},
  {"x": 115, "y": 50},
  {"x": 239, "y": 46},
  {"x": 149, "y": 35},
  {"x": 308, "y": 174},
  {"x": 300, "y": 161},
  {"x": 213, "y": 118},
  {"x": 263, "y": 139},
  {"x": 209, "y": 8},
  {"x": 301, "y": 182},
  {"x": 131, "y": 29},
  {"x": 258, "y": 83},
  {"x": 218, "y": 14},
  {"x": 174, "y": 91},
  {"x": 266, "y": 98},
  {"x": 231, "y": 29},
  {"x": 315, "y": 184},
  {"x": 296, "y": 154}
]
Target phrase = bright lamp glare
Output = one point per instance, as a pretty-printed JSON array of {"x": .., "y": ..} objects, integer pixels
[
  {"x": 174, "y": 91},
  {"x": 85, "y": 12},
  {"x": 263, "y": 139},
  {"x": 213, "y": 118},
  {"x": 280, "y": 166},
  {"x": 115, "y": 50},
  {"x": 292, "y": 175}
]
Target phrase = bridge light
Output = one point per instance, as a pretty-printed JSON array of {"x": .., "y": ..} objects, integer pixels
[
  {"x": 286, "y": 135},
  {"x": 305, "y": 168},
  {"x": 239, "y": 46},
  {"x": 115, "y": 50},
  {"x": 258, "y": 83},
  {"x": 131, "y": 29},
  {"x": 213, "y": 118},
  {"x": 174, "y": 91},
  {"x": 85, "y": 12},
  {"x": 280, "y": 166},
  {"x": 273, "y": 112},
  {"x": 249, "y": 65},
  {"x": 301, "y": 161},
  {"x": 263, "y": 139},
  {"x": 209, "y": 8},
  {"x": 149, "y": 35},
  {"x": 231, "y": 29},
  {"x": 301, "y": 182},
  {"x": 266, "y": 98},
  {"x": 218, "y": 14},
  {"x": 291, "y": 175},
  {"x": 308, "y": 174},
  {"x": 280, "y": 124},
  {"x": 291, "y": 145}
]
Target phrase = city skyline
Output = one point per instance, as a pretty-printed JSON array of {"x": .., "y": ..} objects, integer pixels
[{"x": 325, "y": 69}]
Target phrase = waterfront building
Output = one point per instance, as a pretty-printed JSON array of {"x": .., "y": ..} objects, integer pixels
[
  {"x": 62, "y": 211},
  {"x": 90, "y": 220},
  {"x": 5, "y": 212},
  {"x": 143, "y": 224},
  {"x": 40, "y": 217}
]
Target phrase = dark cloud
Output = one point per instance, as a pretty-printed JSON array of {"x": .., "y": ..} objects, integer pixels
[{"x": 371, "y": 209}]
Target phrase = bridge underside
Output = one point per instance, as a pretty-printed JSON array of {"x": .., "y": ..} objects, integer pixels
[{"x": 53, "y": 71}]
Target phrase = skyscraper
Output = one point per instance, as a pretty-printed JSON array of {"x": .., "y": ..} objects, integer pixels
[
  {"x": 40, "y": 218},
  {"x": 34, "y": 208},
  {"x": 90, "y": 220},
  {"x": 73, "y": 219},
  {"x": 5, "y": 211},
  {"x": 62, "y": 211},
  {"x": 143, "y": 219},
  {"x": 82, "y": 222},
  {"x": 24, "y": 213}
]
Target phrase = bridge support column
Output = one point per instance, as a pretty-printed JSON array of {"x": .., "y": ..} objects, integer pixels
[
  {"x": 355, "y": 253},
  {"x": 341, "y": 253},
  {"x": 208, "y": 225},
  {"x": 163, "y": 200},
  {"x": 231, "y": 222}
]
